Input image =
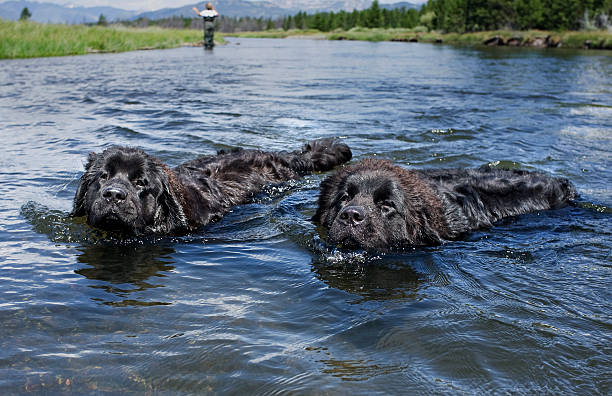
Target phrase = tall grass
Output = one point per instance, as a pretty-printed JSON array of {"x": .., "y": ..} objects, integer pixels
[
  {"x": 599, "y": 39},
  {"x": 596, "y": 39},
  {"x": 26, "y": 39},
  {"x": 365, "y": 34}
]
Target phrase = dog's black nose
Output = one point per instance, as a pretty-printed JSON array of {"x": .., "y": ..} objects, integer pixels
[
  {"x": 115, "y": 193},
  {"x": 352, "y": 215}
]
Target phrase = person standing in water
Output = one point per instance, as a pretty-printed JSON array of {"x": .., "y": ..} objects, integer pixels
[{"x": 208, "y": 15}]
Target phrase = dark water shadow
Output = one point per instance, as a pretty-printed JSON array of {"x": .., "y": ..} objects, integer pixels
[
  {"x": 376, "y": 275},
  {"x": 125, "y": 264},
  {"x": 372, "y": 281},
  {"x": 121, "y": 266},
  {"x": 59, "y": 226},
  {"x": 127, "y": 271}
]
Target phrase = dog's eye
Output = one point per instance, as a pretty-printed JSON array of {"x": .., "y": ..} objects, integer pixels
[
  {"x": 140, "y": 182},
  {"x": 345, "y": 197},
  {"x": 387, "y": 207},
  {"x": 103, "y": 176}
]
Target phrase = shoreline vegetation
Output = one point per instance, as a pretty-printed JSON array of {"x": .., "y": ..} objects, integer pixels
[
  {"x": 516, "y": 23},
  {"x": 599, "y": 39},
  {"x": 570, "y": 24},
  {"x": 26, "y": 39}
]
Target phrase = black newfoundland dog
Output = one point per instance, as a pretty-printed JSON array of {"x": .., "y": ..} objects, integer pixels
[
  {"x": 376, "y": 205},
  {"x": 126, "y": 190}
]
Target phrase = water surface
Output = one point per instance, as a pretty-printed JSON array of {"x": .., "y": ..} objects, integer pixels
[{"x": 257, "y": 303}]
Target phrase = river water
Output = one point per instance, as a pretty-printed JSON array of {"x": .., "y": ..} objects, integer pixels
[{"x": 257, "y": 303}]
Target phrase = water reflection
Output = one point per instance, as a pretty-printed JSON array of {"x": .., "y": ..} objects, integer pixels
[
  {"x": 371, "y": 278},
  {"x": 58, "y": 225},
  {"x": 359, "y": 370},
  {"x": 126, "y": 270}
]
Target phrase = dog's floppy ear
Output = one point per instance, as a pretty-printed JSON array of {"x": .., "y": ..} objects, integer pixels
[
  {"x": 86, "y": 179},
  {"x": 170, "y": 216},
  {"x": 328, "y": 192}
]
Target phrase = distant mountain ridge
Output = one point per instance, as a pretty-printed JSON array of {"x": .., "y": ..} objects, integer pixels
[
  {"x": 231, "y": 8},
  {"x": 53, "y": 13},
  {"x": 269, "y": 8}
]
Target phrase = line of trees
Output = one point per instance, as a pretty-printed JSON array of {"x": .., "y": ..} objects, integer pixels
[
  {"x": 223, "y": 23},
  {"x": 448, "y": 16},
  {"x": 443, "y": 15},
  {"x": 373, "y": 17},
  {"x": 477, "y": 15}
]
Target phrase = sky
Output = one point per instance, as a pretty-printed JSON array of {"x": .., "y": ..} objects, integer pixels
[{"x": 149, "y": 5}]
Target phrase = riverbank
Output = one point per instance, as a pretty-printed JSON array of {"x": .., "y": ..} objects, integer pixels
[
  {"x": 31, "y": 39},
  {"x": 531, "y": 38}
]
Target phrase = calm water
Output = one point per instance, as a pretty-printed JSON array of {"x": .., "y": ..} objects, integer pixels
[{"x": 257, "y": 304}]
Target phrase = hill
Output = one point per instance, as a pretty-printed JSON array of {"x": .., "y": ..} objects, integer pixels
[
  {"x": 53, "y": 13},
  {"x": 231, "y": 8},
  {"x": 271, "y": 8}
]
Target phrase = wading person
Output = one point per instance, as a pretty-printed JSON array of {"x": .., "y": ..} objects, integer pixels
[{"x": 208, "y": 15}]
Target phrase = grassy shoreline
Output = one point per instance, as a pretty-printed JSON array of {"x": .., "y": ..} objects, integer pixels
[
  {"x": 26, "y": 39},
  {"x": 530, "y": 38}
]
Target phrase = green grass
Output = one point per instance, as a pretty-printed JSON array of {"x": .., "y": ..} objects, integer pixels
[
  {"x": 571, "y": 39},
  {"x": 599, "y": 39},
  {"x": 362, "y": 34},
  {"x": 31, "y": 39}
]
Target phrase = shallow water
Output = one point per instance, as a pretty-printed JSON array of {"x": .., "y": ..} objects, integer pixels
[{"x": 257, "y": 303}]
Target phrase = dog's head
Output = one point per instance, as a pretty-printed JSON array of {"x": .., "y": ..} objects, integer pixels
[
  {"x": 126, "y": 190},
  {"x": 375, "y": 205}
]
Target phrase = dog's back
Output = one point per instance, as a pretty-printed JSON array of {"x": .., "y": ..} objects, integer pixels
[
  {"x": 476, "y": 198},
  {"x": 213, "y": 184}
]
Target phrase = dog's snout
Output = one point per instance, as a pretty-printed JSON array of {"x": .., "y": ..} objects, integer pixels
[
  {"x": 353, "y": 215},
  {"x": 115, "y": 193}
]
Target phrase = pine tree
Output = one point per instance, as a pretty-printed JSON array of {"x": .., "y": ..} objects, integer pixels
[
  {"x": 102, "y": 20},
  {"x": 373, "y": 17},
  {"x": 25, "y": 14}
]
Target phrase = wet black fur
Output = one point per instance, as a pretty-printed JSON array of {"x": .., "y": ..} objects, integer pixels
[
  {"x": 376, "y": 205},
  {"x": 124, "y": 189}
]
